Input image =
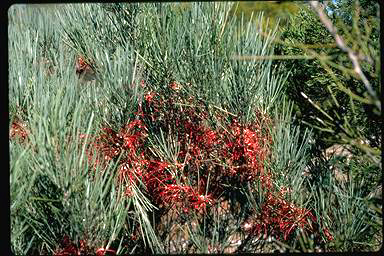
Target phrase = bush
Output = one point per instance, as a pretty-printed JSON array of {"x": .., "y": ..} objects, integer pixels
[{"x": 170, "y": 143}]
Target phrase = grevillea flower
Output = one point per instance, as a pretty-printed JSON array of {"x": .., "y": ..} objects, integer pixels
[
  {"x": 327, "y": 234},
  {"x": 281, "y": 217},
  {"x": 228, "y": 156},
  {"x": 103, "y": 252},
  {"x": 149, "y": 96},
  {"x": 18, "y": 130},
  {"x": 202, "y": 201},
  {"x": 175, "y": 86},
  {"x": 84, "y": 69},
  {"x": 69, "y": 248}
]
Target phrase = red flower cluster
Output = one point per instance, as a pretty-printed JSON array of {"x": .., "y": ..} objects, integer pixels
[
  {"x": 229, "y": 156},
  {"x": 83, "y": 67},
  {"x": 69, "y": 248},
  {"x": 281, "y": 218},
  {"x": 327, "y": 234},
  {"x": 186, "y": 195},
  {"x": 110, "y": 144},
  {"x": 18, "y": 130}
]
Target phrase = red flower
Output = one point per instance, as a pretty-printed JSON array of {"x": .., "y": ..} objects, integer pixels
[
  {"x": 175, "y": 86},
  {"x": 18, "y": 130},
  {"x": 103, "y": 251},
  {"x": 149, "y": 96},
  {"x": 69, "y": 248},
  {"x": 202, "y": 201},
  {"x": 327, "y": 234},
  {"x": 84, "y": 69}
]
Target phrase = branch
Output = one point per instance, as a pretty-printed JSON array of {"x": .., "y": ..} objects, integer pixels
[
  {"x": 341, "y": 44},
  {"x": 272, "y": 57}
]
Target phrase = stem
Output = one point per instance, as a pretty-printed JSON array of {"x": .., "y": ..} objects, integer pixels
[{"x": 351, "y": 54}]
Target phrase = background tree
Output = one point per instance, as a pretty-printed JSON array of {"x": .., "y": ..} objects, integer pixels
[
  {"x": 309, "y": 34},
  {"x": 276, "y": 12},
  {"x": 337, "y": 89}
]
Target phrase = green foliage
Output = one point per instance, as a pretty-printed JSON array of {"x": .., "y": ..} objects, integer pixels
[
  {"x": 347, "y": 215},
  {"x": 344, "y": 112},
  {"x": 52, "y": 193},
  {"x": 305, "y": 29},
  {"x": 189, "y": 51},
  {"x": 275, "y": 12},
  {"x": 331, "y": 98},
  {"x": 291, "y": 152}
]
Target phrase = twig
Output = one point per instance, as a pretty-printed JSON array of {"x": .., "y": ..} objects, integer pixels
[
  {"x": 341, "y": 44},
  {"x": 272, "y": 57}
]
